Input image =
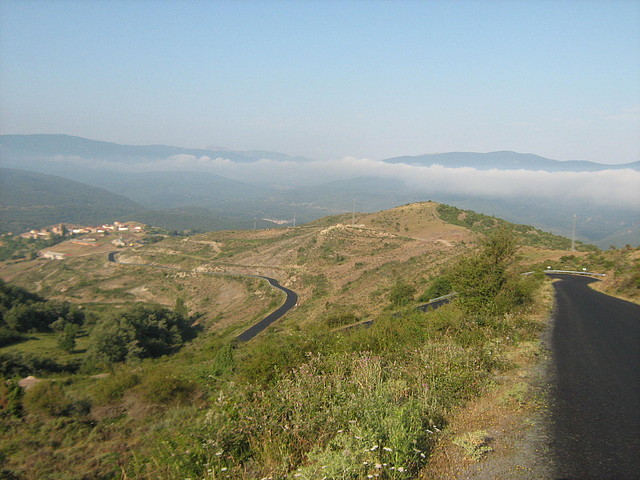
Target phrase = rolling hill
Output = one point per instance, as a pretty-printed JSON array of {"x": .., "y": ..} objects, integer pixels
[
  {"x": 313, "y": 374},
  {"x": 33, "y": 200},
  {"x": 506, "y": 160},
  {"x": 185, "y": 190},
  {"x": 41, "y": 147}
]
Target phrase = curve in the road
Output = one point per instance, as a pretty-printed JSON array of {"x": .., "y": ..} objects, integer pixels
[
  {"x": 290, "y": 302},
  {"x": 595, "y": 343}
]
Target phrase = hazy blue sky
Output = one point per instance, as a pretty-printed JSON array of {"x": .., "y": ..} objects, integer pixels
[{"x": 329, "y": 79}]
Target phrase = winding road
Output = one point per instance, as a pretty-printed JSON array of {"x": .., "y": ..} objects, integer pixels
[
  {"x": 595, "y": 391},
  {"x": 290, "y": 302}
]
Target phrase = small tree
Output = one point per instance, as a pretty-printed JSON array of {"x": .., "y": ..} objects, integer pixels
[
  {"x": 181, "y": 308},
  {"x": 67, "y": 338},
  {"x": 401, "y": 293},
  {"x": 485, "y": 281}
]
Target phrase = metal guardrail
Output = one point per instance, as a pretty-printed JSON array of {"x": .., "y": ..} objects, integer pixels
[{"x": 570, "y": 272}]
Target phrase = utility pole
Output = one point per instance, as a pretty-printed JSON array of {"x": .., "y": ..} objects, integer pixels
[
  {"x": 573, "y": 234},
  {"x": 353, "y": 213}
]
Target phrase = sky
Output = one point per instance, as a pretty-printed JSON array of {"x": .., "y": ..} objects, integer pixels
[{"x": 329, "y": 79}]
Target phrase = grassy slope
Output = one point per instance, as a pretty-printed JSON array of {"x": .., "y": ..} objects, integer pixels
[{"x": 337, "y": 268}]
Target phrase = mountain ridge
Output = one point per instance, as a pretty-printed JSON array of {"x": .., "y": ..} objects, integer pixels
[
  {"x": 38, "y": 145},
  {"x": 506, "y": 160}
]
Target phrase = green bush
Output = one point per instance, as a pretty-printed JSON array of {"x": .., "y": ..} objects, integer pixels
[
  {"x": 340, "y": 319},
  {"x": 401, "y": 293},
  {"x": 487, "y": 283},
  {"x": 23, "y": 364},
  {"x": 46, "y": 398},
  {"x": 158, "y": 387},
  {"x": 112, "y": 387},
  {"x": 439, "y": 286},
  {"x": 8, "y": 337},
  {"x": 137, "y": 333},
  {"x": 10, "y": 398}
]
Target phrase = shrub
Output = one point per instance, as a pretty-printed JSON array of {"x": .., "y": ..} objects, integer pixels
[
  {"x": 487, "y": 283},
  {"x": 439, "y": 286},
  {"x": 140, "y": 332},
  {"x": 341, "y": 319},
  {"x": 67, "y": 337},
  {"x": 46, "y": 398},
  {"x": 10, "y": 398},
  {"x": 113, "y": 387},
  {"x": 8, "y": 337},
  {"x": 158, "y": 387},
  {"x": 23, "y": 364},
  {"x": 401, "y": 293}
]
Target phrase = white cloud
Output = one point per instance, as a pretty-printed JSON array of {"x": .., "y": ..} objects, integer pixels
[{"x": 607, "y": 187}]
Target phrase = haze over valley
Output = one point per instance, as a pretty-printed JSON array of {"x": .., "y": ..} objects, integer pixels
[{"x": 227, "y": 189}]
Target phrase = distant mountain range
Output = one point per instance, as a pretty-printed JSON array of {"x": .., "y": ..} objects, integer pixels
[
  {"x": 31, "y": 200},
  {"x": 505, "y": 160},
  {"x": 139, "y": 183},
  {"x": 42, "y": 146},
  {"x": 38, "y": 147}
]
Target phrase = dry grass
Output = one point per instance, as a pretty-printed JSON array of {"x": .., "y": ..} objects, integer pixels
[{"x": 502, "y": 433}]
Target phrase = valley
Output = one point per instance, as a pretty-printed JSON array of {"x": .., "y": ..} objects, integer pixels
[
  {"x": 203, "y": 190},
  {"x": 388, "y": 390}
]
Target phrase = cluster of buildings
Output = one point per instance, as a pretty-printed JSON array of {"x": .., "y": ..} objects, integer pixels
[{"x": 63, "y": 230}]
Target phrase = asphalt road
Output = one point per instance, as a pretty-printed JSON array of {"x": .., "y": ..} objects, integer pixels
[
  {"x": 595, "y": 343},
  {"x": 290, "y": 302}
]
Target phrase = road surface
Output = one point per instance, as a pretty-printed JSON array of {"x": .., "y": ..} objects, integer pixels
[
  {"x": 595, "y": 343},
  {"x": 290, "y": 302}
]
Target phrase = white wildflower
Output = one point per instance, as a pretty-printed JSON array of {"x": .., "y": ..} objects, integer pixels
[{"x": 387, "y": 449}]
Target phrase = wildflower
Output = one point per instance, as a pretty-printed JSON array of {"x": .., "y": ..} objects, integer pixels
[
  {"x": 340, "y": 431},
  {"x": 374, "y": 448},
  {"x": 387, "y": 449},
  {"x": 223, "y": 469},
  {"x": 369, "y": 476},
  {"x": 429, "y": 431},
  {"x": 219, "y": 453},
  {"x": 401, "y": 469},
  {"x": 378, "y": 466}
]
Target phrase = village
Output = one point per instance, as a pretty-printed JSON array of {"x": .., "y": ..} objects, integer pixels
[{"x": 82, "y": 238}]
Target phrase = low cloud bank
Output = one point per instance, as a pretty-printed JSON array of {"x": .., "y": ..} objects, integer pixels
[{"x": 616, "y": 188}]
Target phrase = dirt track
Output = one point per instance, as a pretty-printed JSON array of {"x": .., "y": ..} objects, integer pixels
[{"x": 596, "y": 386}]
